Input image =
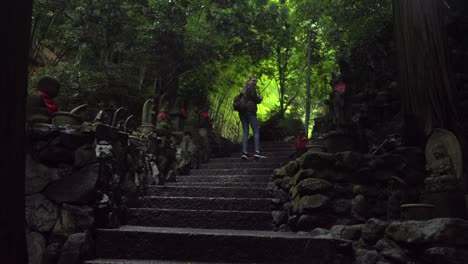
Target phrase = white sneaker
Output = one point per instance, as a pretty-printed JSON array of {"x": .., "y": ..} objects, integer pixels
[{"x": 258, "y": 156}]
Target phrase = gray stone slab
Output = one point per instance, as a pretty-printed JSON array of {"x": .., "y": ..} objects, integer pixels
[
  {"x": 204, "y": 203},
  {"x": 245, "y": 220},
  {"x": 227, "y": 178},
  {"x": 197, "y": 191}
]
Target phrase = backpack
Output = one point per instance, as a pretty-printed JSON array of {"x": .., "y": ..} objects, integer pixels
[{"x": 238, "y": 103}]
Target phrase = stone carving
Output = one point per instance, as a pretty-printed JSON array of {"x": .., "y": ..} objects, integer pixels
[{"x": 443, "y": 162}]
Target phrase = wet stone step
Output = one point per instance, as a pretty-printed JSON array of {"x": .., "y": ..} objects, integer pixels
[
  {"x": 250, "y": 171},
  {"x": 234, "y": 159},
  {"x": 220, "y": 184},
  {"x": 267, "y": 154},
  {"x": 231, "y": 178},
  {"x": 244, "y": 220},
  {"x": 240, "y": 165},
  {"x": 206, "y": 191},
  {"x": 189, "y": 244},
  {"x": 125, "y": 261},
  {"x": 202, "y": 203}
]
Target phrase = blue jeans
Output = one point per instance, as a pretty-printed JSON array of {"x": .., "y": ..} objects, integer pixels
[{"x": 246, "y": 119}]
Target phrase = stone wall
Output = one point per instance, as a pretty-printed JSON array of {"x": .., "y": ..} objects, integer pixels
[{"x": 79, "y": 178}]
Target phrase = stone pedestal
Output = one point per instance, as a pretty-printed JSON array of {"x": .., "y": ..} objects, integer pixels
[
  {"x": 339, "y": 142},
  {"x": 449, "y": 204}
]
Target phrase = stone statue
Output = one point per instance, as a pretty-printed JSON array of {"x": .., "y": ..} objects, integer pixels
[{"x": 443, "y": 163}]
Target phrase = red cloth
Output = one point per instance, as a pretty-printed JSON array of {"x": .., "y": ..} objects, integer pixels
[
  {"x": 204, "y": 114},
  {"x": 49, "y": 102},
  {"x": 162, "y": 115},
  {"x": 301, "y": 142},
  {"x": 183, "y": 113},
  {"x": 340, "y": 87}
]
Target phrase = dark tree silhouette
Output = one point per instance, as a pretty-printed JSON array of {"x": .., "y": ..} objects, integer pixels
[
  {"x": 15, "y": 26},
  {"x": 427, "y": 96}
]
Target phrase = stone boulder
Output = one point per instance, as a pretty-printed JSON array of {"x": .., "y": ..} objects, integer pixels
[
  {"x": 313, "y": 186},
  {"x": 76, "y": 188},
  {"x": 41, "y": 214},
  {"x": 302, "y": 175},
  {"x": 38, "y": 176},
  {"x": 346, "y": 232},
  {"x": 36, "y": 247},
  {"x": 317, "y": 160},
  {"x": 373, "y": 230},
  {"x": 76, "y": 249},
  {"x": 84, "y": 156},
  {"x": 435, "y": 232},
  {"x": 74, "y": 219},
  {"x": 446, "y": 255}
]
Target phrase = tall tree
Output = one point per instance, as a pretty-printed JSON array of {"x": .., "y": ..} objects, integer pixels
[
  {"x": 427, "y": 96},
  {"x": 15, "y": 27}
]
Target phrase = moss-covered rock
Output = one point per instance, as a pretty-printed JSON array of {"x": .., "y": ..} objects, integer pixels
[
  {"x": 314, "y": 202},
  {"x": 293, "y": 193},
  {"x": 279, "y": 173},
  {"x": 285, "y": 183},
  {"x": 317, "y": 160},
  {"x": 313, "y": 186},
  {"x": 302, "y": 175},
  {"x": 292, "y": 168},
  {"x": 309, "y": 204}
]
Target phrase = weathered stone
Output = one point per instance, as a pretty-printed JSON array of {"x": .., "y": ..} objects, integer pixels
[
  {"x": 317, "y": 160},
  {"x": 74, "y": 219},
  {"x": 367, "y": 190},
  {"x": 313, "y": 203},
  {"x": 76, "y": 249},
  {"x": 364, "y": 256},
  {"x": 285, "y": 183},
  {"x": 55, "y": 154},
  {"x": 446, "y": 255},
  {"x": 346, "y": 232},
  {"x": 279, "y": 173},
  {"x": 84, "y": 155},
  {"x": 284, "y": 228},
  {"x": 359, "y": 208},
  {"x": 349, "y": 160},
  {"x": 282, "y": 196},
  {"x": 302, "y": 175},
  {"x": 78, "y": 187},
  {"x": 292, "y": 168},
  {"x": 313, "y": 186},
  {"x": 279, "y": 217},
  {"x": 373, "y": 230},
  {"x": 320, "y": 232},
  {"x": 38, "y": 176},
  {"x": 292, "y": 221},
  {"x": 52, "y": 253},
  {"x": 41, "y": 214},
  {"x": 341, "y": 206},
  {"x": 440, "y": 231},
  {"x": 363, "y": 175},
  {"x": 391, "y": 251},
  {"x": 309, "y": 222},
  {"x": 36, "y": 247}
]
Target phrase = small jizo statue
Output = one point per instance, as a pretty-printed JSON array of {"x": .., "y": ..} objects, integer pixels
[{"x": 442, "y": 165}]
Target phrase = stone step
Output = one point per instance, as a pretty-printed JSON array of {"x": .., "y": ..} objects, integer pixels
[
  {"x": 202, "y": 203},
  {"x": 244, "y": 220},
  {"x": 274, "y": 154},
  {"x": 237, "y": 159},
  {"x": 248, "y": 171},
  {"x": 240, "y": 165},
  {"x": 188, "y": 244},
  {"x": 225, "y": 178},
  {"x": 290, "y": 147},
  {"x": 220, "y": 184},
  {"x": 205, "y": 191},
  {"x": 126, "y": 261}
]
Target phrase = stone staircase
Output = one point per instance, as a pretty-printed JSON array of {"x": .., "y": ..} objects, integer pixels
[{"x": 220, "y": 213}]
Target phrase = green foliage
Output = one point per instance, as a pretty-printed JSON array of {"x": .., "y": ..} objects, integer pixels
[{"x": 121, "y": 52}]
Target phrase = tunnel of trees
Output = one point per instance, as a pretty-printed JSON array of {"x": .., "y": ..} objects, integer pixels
[{"x": 120, "y": 53}]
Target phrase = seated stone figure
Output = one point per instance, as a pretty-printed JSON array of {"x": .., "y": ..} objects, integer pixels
[
  {"x": 41, "y": 104},
  {"x": 442, "y": 174}
]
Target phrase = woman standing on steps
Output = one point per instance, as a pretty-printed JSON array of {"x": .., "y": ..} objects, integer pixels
[{"x": 248, "y": 116}]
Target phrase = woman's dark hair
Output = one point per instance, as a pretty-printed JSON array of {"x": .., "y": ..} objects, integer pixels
[{"x": 49, "y": 85}]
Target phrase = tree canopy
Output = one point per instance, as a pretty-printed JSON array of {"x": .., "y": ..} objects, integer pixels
[{"x": 123, "y": 52}]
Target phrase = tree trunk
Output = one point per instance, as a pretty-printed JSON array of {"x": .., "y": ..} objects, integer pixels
[
  {"x": 15, "y": 27},
  {"x": 427, "y": 96},
  {"x": 308, "y": 95}
]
